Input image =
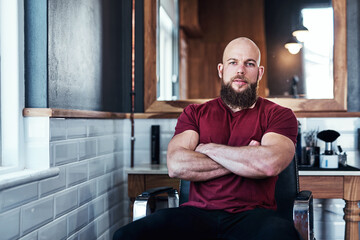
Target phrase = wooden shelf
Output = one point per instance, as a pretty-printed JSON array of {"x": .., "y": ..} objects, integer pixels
[
  {"x": 69, "y": 113},
  {"x": 72, "y": 113},
  {"x": 326, "y": 114}
]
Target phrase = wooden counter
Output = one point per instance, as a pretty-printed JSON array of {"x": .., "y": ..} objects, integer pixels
[{"x": 337, "y": 184}]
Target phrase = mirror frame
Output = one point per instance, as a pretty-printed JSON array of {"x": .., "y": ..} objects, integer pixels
[{"x": 337, "y": 104}]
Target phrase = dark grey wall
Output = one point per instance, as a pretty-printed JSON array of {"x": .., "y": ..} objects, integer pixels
[
  {"x": 78, "y": 54},
  {"x": 87, "y": 64},
  {"x": 353, "y": 55},
  {"x": 75, "y": 54}
]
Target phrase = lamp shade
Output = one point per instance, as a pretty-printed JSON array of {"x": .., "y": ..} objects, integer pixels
[
  {"x": 301, "y": 33},
  {"x": 293, "y": 46}
]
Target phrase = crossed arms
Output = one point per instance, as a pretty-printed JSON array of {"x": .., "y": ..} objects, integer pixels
[{"x": 189, "y": 160}]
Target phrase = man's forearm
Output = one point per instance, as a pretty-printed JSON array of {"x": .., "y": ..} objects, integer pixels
[
  {"x": 193, "y": 166},
  {"x": 243, "y": 161},
  {"x": 252, "y": 161}
]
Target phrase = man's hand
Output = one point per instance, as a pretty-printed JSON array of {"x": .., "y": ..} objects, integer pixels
[{"x": 254, "y": 143}]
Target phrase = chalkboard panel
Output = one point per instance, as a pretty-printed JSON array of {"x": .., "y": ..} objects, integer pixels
[{"x": 89, "y": 55}]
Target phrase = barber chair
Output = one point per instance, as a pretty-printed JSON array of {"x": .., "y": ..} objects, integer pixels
[{"x": 291, "y": 204}]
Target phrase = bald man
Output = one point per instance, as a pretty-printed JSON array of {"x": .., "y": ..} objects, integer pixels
[{"x": 232, "y": 149}]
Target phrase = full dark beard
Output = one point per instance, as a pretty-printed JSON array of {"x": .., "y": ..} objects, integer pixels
[{"x": 244, "y": 99}]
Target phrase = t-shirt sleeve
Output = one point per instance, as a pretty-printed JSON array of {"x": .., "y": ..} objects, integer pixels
[
  {"x": 284, "y": 122},
  {"x": 187, "y": 120}
]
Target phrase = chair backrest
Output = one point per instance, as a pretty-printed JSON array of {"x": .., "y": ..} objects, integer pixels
[
  {"x": 287, "y": 186},
  {"x": 184, "y": 191},
  {"x": 286, "y": 189}
]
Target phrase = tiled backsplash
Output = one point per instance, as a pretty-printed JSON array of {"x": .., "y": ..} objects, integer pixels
[
  {"x": 143, "y": 136},
  {"x": 87, "y": 200},
  {"x": 348, "y": 139}
]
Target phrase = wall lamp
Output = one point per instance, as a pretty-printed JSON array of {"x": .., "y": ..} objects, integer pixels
[
  {"x": 293, "y": 45},
  {"x": 301, "y": 33}
]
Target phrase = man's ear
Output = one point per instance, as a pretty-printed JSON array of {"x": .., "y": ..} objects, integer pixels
[
  {"x": 220, "y": 68},
  {"x": 261, "y": 72}
]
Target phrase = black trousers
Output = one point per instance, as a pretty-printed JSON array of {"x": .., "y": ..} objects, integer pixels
[{"x": 188, "y": 223}]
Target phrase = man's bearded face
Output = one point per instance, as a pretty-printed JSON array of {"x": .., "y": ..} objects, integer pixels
[{"x": 243, "y": 99}]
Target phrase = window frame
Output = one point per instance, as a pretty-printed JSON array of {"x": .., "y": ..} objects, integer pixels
[{"x": 12, "y": 81}]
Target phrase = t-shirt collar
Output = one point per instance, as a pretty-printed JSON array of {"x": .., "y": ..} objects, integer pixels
[{"x": 229, "y": 109}]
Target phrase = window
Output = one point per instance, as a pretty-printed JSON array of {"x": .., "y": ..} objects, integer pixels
[
  {"x": 11, "y": 84},
  {"x": 167, "y": 67},
  {"x": 318, "y": 52},
  {"x": 24, "y": 141}
]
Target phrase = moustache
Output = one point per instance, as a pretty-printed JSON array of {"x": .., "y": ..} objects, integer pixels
[{"x": 241, "y": 77}]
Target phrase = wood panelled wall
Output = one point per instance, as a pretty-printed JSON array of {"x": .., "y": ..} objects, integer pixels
[{"x": 202, "y": 46}]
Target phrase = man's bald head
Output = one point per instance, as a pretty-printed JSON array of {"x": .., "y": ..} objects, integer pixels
[{"x": 242, "y": 44}]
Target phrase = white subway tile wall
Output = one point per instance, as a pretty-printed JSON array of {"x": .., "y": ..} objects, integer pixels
[
  {"x": 65, "y": 201},
  {"x": 143, "y": 136},
  {"x": 87, "y": 149},
  {"x": 55, "y": 230},
  {"x": 31, "y": 236},
  {"x": 87, "y": 200},
  {"x": 10, "y": 224},
  {"x": 36, "y": 214},
  {"x": 17, "y": 196},
  {"x": 77, "y": 219},
  {"x": 54, "y": 184},
  {"x": 66, "y": 152}
]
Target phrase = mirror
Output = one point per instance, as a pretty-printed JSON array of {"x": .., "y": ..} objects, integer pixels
[
  {"x": 307, "y": 73},
  {"x": 335, "y": 103}
]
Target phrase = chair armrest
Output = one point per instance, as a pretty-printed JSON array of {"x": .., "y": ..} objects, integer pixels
[
  {"x": 145, "y": 203},
  {"x": 304, "y": 196},
  {"x": 155, "y": 191},
  {"x": 303, "y": 214}
]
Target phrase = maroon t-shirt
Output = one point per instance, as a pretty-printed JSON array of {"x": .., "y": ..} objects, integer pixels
[{"x": 216, "y": 123}]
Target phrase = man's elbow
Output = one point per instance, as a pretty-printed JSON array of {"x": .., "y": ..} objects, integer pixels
[
  {"x": 173, "y": 171},
  {"x": 276, "y": 168},
  {"x": 272, "y": 171},
  {"x": 173, "y": 175}
]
